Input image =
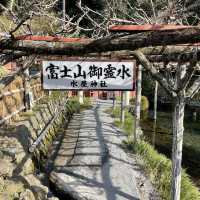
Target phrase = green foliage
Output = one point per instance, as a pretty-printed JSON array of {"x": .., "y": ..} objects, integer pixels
[
  {"x": 73, "y": 105},
  {"x": 159, "y": 168},
  {"x": 144, "y": 103},
  {"x": 87, "y": 104},
  {"x": 156, "y": 165},
  {"x": 3, "y": 71},
  {"x": 129, "y": 122}
]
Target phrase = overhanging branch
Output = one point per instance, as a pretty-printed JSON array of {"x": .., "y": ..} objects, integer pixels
[{"x": 154, "y": 73}]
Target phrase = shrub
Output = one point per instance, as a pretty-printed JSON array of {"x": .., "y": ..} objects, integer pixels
[{"x": 144, "y": 103}]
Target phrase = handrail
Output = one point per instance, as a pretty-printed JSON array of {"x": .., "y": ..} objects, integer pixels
[
  {"x": 11, "y": 115},
  {"x": 44, "y": 131}
]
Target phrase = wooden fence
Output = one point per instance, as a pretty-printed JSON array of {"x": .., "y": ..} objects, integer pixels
[{"x": 12, "y": 95}]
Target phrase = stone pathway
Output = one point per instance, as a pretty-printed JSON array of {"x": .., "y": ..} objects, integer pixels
[{"x": 99, "y": 168}]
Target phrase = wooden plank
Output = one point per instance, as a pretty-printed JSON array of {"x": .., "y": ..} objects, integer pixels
[
  {"x": 52, "y": 39},
  {"x": 147, "y": 27}
]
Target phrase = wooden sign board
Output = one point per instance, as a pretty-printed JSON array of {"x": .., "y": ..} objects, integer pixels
[{"x": 88, "y": 75}]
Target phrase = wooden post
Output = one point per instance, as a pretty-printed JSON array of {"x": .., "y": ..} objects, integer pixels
[
  {"x": 80, "y": 97},
  {"x": 28, "y": 100},
  {"x": 178, "y": 129},
  {"x": 114, "y": 100},
  {"x": 127, "y": 98},
  {"x": 138, "y": 102},
  {"x": 122, "y": 108},
  {"x": 194, "y": 114},
  {"x": 155, "y": 101}
]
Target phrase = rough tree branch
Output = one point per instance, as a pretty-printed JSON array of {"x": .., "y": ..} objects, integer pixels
[{"x": 154, "y": 73}]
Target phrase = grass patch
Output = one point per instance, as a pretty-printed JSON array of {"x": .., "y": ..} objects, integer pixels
[
  {"x": 159, "y": 168},
  {"x": 87, "y": 104},
  {"x": 128, "y": 125},
  {"x": 156, "y": 165}
]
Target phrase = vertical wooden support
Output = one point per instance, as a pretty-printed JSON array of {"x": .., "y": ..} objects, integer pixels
[
  {"x": 178, "y": 129},
  {"x": 114, "y": 100},
  {"x": 28, "y": 99},
  {"x": 194, "y": 114},
  {"x": 138, "y": 103},
  {"x": 80, "y": 97},
  {"x": 127, "y": 98},
  {"x": 122, "y": 108},
  {"x": 155, "y": 113},
  {"x": 155, "y": 101}
]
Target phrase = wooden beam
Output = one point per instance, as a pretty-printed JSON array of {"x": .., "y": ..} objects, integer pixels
[
  {"x": 147, "y": 27},
  {"x": 111, "y": 43}
]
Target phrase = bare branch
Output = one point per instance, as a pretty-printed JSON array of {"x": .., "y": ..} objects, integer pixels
[{"x": 154, "y": 73}]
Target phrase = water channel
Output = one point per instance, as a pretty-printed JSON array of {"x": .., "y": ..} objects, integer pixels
[{"x": 160, "y": 135}]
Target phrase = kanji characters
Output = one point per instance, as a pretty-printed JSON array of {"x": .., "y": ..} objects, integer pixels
[
  {"x": 103, "y": 84},
  {"x": 84, "y": 84},
  {"x": 74, "y": 83},
  {"x": 123, "y": 72},
  {"x": 52, "y": 70},
  {"x": 92, "y": 75},
  {"x": 65, "y": 72},
  {"x": 81, "y": 73},
  {"x": 109, "y": 72},
  {"x": 93, "y": 84},
  {"x": 95, "y": 71}
]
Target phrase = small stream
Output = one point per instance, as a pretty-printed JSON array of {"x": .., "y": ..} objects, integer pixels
[{"x": 160, "y": 135}]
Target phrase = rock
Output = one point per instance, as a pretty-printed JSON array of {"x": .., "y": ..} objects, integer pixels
[
  {"x": 53, "y": 198},
  {"x": 27, "y": 195},
  {"x": 2, "y": 184},
  {"x": 11, "y": 190},
  {"x": 28, "y": 167},
  {"x": 6, "y": 168},
  {"x": 40, "y": 190}
]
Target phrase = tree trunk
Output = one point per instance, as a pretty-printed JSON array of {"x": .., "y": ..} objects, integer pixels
[
  {"x": 178, "y": 129},
  {"x": 138, "y": 102}
]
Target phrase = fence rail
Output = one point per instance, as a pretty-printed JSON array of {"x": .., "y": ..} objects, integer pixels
[{"x": 45, "y": 130}]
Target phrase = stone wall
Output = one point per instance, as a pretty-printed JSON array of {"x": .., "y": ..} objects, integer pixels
[{"x": 17, "y": 165}]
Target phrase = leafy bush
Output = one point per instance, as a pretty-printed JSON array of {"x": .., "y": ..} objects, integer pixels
[{"x": 144, "y": 103}]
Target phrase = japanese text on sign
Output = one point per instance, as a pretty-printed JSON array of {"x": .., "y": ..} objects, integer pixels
[{"x": 88, "y": 75}]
